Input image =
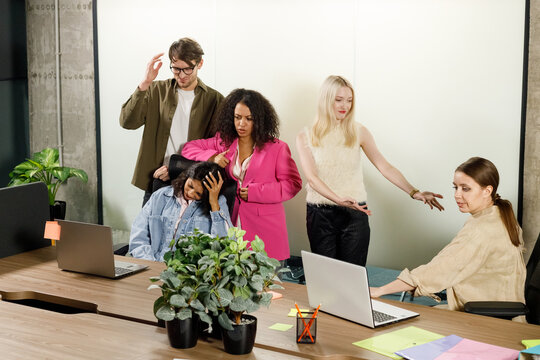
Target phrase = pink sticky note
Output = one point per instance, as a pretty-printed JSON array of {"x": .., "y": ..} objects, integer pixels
[
  {"x": 473, "y": 350},
  {"x": 52, "y": 230}
]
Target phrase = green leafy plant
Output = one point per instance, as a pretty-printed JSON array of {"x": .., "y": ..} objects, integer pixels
[
  {"x": 220, "y": 276},
  {"x": 44, "y": 166},
  {"x": 182, "y": 284},
  {"x": 240, "y": 277}
]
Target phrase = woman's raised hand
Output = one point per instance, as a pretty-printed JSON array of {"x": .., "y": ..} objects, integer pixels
[
  {"x": 429, "y": 198},
  {"x": 213, "y": 186},
  {"x": 351, "y": 203},
  {"x": 220, "y": 159}
]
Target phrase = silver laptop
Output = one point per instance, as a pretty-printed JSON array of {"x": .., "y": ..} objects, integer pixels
[
  {"x": 342, "y": 289},
  {"x": 88, "y": 248}
]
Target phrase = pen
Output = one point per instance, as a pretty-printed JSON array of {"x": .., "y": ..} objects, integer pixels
[
  {"x": 305, "y": 325},
  {"x": 310, "y": 322}
]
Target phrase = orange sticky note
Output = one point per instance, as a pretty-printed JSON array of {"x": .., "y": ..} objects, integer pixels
[
  {"x": 275, "y": 295},
  {"x": 52, "y": 231}
]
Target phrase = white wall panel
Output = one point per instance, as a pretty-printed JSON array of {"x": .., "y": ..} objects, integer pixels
[{"x": 436, "y": 82}]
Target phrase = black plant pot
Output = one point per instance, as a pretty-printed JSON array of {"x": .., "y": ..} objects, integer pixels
[
  {"x": 240, "y": 340},
  {"x": 216, "y": 332},
  {"x": 58, "y": 210},
  {"x": 183, "y": 334}
]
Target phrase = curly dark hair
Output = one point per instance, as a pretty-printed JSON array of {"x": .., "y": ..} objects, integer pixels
[
  {"x": 265, "y": 119},
  {"x": 198, "y": 171}
]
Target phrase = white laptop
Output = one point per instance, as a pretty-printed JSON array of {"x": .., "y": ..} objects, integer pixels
[
  {"x": 342, "y": 290},
  {"x": 88, "y": 248}
]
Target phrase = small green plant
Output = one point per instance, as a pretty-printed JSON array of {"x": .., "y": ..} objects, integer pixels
[
  {"x": 240, "y": 277},
  {"x": 182, "y": 283},
  {"x": 44, "y": 166},
  {"x": 220, "y": 276}
]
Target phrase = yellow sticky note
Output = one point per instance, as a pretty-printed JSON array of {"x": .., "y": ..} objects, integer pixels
[
  {"x": 293, "y": 312},
  {"x": 281, "y": 327},
  {"x": 387, "y": 344},
  {"x": 530, "y": 343}
]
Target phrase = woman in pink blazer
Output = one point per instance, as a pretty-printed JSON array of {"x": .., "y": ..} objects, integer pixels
[{"x": 247, "y": 146}]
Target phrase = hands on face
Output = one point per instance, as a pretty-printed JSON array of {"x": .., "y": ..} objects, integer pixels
[{"x": 213, "y": 186}]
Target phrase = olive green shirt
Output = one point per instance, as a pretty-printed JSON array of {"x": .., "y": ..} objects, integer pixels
[{"x": 155, "y": 108}]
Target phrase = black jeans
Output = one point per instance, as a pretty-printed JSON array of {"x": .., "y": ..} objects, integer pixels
[{"x": 338, "y": 232}]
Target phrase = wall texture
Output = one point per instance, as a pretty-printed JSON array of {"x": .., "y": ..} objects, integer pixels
[
  {"x": 77, "y": 88},
  {"x": 531, "y": 173}
]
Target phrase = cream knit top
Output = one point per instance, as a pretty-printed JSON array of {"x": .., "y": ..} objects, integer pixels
[{"x": 338, "y": 166}]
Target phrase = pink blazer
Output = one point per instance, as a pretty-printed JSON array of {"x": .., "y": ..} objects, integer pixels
[{"x": 271, "y": 178}]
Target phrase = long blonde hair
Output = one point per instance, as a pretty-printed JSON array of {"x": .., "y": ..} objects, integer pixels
[{"x": 326, "y": 118}]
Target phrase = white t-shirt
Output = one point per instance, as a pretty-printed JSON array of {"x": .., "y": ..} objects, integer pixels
[{"x": 180, "y": 123}]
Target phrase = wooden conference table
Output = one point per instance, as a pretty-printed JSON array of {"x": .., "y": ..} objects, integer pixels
[{"x": 36, "y": 275}]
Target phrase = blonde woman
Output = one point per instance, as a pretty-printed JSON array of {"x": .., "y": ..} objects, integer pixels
[{"x": 330, "y": 156}]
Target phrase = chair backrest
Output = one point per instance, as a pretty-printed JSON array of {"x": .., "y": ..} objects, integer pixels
[
  {"x": 23, "y": 212},
  {"x": 532, "y": 285},
  {"x": 178, "y": 163}
]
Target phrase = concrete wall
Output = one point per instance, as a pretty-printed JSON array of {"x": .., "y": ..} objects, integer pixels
[
  {"x": 77, "y": 87},
  {"x": 531, "y": 173}
]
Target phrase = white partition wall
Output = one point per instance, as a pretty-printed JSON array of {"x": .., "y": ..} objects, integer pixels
[{"x": 436, "y": 82}]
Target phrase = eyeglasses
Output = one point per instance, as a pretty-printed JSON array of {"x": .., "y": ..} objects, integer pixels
[{"x": 187, "y": 70}]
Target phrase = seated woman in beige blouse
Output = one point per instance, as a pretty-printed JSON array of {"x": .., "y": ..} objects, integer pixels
[{"x": 484, "y": 261}]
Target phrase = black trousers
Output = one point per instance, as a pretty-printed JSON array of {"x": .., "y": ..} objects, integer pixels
[{"x": 338, "y": 232}]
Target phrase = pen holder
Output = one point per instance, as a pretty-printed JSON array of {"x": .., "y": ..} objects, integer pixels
[{"x": 306, "y": 326}]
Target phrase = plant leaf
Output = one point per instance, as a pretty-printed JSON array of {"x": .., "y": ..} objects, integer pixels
[
  {"x": 204, "y": 317},
  {"x": 197, "y": 305},
  {"x": 224, "y": 321},
  {"x": 184, "y": 314},
  {"x": 165, "y": 313},
  {"x": 178, "y": 301}
]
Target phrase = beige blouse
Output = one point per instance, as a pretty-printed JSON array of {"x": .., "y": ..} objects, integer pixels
[{"x": 480, "y": 264}]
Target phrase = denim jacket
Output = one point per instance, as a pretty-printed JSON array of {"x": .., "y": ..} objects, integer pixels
[{"x": 153, "y": 228}]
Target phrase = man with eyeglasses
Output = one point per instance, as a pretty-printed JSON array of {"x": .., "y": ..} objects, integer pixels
[{"x": 172, "y": 111}]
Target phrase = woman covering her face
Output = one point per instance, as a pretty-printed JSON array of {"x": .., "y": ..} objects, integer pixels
[
  {"x": 247, "y": 146},
  {"x": 192, "y": 201},
  {"x": 485, "y": 259},
  {"x": 330, "y": 154}
]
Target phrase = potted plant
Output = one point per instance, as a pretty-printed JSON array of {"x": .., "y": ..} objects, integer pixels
[
  {"x": 182, "y": 285},
  {"x": 240, "y": 277},
  {"x": 44, "y": 166}
]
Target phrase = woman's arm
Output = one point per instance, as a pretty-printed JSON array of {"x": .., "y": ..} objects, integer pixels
[
  {"x": 221, "y": 219},
  {"x": 288, "y": 183},
  {"x": 390, "y": 288},
  {"x": 203, "y": 149},
  {"x": 392, "y": 174},
  {"x": 310, "y": 171},
  {"x": 139, "y": 239}
]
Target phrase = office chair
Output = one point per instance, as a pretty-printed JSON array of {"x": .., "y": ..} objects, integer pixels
[
  {"x": 507, "y": 309},
  {"x": 177, "y": 164}
]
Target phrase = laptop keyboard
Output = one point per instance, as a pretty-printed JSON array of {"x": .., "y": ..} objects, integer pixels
[
  {"x": 382, "y": 317},
  {"x": 121, "y": 270}
]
